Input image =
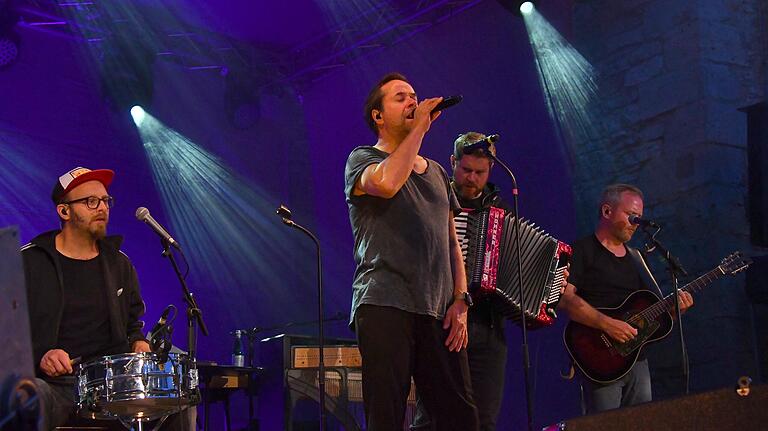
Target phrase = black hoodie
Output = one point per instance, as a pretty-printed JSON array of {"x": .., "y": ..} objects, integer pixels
[
  {"x": 490, "y": 197},
  {"x": 45, "y": 290}
]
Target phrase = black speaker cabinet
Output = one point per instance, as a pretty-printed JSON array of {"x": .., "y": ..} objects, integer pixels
[
  {"x": 18, "y": 411},
  {"x": 718, "y": 410},
  {"x": 15, "y": 342}
]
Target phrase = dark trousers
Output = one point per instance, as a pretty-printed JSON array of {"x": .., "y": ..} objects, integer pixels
[
  {"x": 487, "y": 355},
  {"x": 396, "y": 345},
  {"x": 487, "y": 352},
  {"x": 59, "y": 402}
]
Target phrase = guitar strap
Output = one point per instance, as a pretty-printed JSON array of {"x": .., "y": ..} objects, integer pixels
[{"x": 642, "y": 268}]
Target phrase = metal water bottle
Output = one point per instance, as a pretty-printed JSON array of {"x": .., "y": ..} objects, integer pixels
[{"x": 238, "y": 356}]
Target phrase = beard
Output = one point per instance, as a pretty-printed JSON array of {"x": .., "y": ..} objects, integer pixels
[
  {"x": 98, "y": 231},
  {"x": 469, "y": 192},
  {"x": 95, "y": 229}
]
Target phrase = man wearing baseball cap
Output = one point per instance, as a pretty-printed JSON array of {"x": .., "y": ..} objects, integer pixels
[{"x": 84, "y": 299}]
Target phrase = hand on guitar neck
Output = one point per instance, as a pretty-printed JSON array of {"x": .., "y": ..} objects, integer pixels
[{"x": 686, "y": 302}]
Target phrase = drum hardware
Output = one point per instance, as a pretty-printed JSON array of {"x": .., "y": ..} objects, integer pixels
[
  {"x": 159, "y": 337},
  {"x": 136, "y": 388}
]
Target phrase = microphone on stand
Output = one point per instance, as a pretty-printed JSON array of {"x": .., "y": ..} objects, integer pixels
[
  {"x": 142, "y": 214},
  {"x": 643, "y": 222},
  {"x": 482, "y": 144},
  {"x": 285, "y": 215},
  {"x": 160, "y": 336},
  {"x": 160, "y": 322}
]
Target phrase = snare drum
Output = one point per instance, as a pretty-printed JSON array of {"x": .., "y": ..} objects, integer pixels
[{"x": 135, "y": 385}]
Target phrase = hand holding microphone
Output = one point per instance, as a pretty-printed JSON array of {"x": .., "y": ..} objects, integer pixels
[
  {"x": 447, "y": 102},
  {"x": 434, "y": 106}
]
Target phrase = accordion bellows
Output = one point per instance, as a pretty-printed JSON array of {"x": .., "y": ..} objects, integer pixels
[{"x": 488, "y": 243}]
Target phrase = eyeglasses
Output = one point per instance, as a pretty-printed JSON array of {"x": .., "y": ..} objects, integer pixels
[{"x": 93, "y": 202}]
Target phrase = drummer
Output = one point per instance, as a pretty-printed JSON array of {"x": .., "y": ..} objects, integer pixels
[{"x": 83, "y": 292}]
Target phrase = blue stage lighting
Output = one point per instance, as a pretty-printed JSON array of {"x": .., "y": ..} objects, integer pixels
[
  {"x": 526, "y": 8},
  {"x": 568, "y": 81},
  {"x": 138, "y": 114},
  {"x": 227, "y": 226}
]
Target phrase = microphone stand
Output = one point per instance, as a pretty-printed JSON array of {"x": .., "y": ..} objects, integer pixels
[
  {"x": 523, "y": 326},
  {"x": 194, "y": 314},
  {"x": 675, "y": 269},
  {"x": 285, "y": 214}
]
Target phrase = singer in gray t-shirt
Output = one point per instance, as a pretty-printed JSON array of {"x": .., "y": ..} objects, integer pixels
[
  {"x": 409, "y": 301},
  {"x": 401, "y": 243}
]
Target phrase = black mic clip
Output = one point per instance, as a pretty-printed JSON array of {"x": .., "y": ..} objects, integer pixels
[
  {"x": 160, "y": 342},
  {"x": 633, "y": 219}
]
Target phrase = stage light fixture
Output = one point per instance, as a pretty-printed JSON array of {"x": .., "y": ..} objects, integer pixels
[
  {"x": 126, "y": 71},
  {"x": 518, "y": 7},
  {"x": 138, "y": 114}
]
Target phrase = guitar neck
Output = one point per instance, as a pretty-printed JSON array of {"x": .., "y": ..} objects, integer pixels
[{"x": 668, "y": 303}]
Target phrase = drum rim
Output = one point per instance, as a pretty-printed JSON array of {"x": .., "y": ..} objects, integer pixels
[{"x": 178, "y": 357}]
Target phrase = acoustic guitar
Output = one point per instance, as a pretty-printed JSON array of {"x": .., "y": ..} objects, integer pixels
[{"x": 603, "y": 359}]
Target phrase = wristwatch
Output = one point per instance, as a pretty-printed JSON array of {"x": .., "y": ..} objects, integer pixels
[{"x": 465, "y": 296}]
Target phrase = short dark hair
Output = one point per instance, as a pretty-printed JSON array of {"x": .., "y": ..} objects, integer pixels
[
  {"x": 612, "y": 194},
  {"x": 467, "y": 139},
  {"x": 375, "y": 96}
]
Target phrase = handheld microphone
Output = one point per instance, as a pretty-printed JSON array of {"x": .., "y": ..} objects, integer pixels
[
  {"x": 160, "y": 322},
  {"x": 447, "y": 103},
  {"x": 142, "y": 214},
  {"x": 482, "y": 144},
  {"x": 642, "y": 222}
]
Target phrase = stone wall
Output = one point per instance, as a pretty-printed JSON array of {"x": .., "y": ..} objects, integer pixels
[{"x": 673, "y": 75}]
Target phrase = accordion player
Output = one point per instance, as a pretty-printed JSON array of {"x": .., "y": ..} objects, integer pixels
[{"x": 488, "y": 244}]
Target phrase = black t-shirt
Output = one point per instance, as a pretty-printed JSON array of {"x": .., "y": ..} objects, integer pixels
[
  {"x": 601, "y": 278},
  {"x": 84, "y": 330},
  {"x": 401, "y": 244}
]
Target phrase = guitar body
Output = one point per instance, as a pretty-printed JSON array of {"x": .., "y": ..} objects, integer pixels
[{"x": 605, "y": 360}]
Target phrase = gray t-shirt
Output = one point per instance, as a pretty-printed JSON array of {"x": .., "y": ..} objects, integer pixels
[{"x": 401, "y": 244}]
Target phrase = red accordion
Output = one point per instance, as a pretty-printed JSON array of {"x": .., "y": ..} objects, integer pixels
[{"x": 488, "y": 243}]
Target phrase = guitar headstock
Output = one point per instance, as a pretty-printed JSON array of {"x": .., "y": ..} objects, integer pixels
[{"x": 734, "y": 263}]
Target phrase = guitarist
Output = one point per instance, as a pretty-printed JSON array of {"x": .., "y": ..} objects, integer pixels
[{"x": 604, "y": 271}]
